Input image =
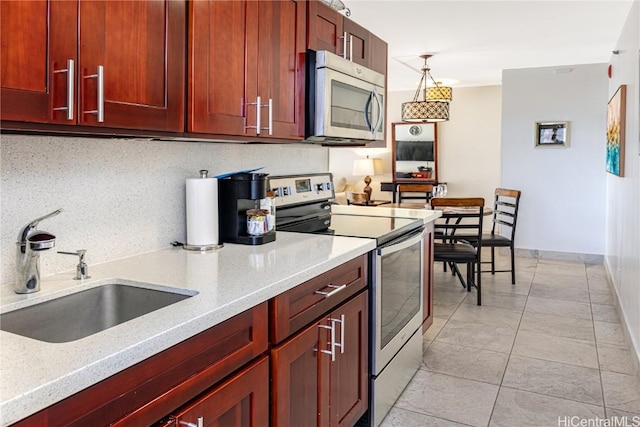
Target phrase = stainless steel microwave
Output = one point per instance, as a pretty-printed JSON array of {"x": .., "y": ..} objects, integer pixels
[{"x": 345, "y": 101}]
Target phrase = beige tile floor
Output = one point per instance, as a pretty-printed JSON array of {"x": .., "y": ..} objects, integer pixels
[{"x": 549, "y": 351}]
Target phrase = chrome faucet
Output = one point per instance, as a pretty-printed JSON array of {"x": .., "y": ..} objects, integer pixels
[{"x": 29, "y": 245}]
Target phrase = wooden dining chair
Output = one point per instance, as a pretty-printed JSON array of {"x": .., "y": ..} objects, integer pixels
[
  {"x": 461, "y": 218},
  {"x": 415, "y": 188},
  {"x": 503, "y": 228}
]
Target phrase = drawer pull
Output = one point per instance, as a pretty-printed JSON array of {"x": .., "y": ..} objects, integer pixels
[
  {"x": 335, "y": 290},
  {"x": 200, "y": 423}
]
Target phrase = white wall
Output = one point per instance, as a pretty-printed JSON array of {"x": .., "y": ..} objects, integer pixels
[
  {"x": 622, "y": 200},
  {"x": 120, "y": 197},
  {"x": 468, "y": 145},
  {"x": 563, "y": 189}
]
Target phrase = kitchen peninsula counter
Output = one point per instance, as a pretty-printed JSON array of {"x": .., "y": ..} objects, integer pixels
[{"x": 36, "y": 374}]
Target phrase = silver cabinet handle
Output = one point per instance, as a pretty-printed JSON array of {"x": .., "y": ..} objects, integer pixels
[
  {"x": 331, "y": 343},
  {"x": 199, "y": 421},
  {"x": 333, "y": 323},
  {"x": 270, "y": 127},
  {"x": 258, "y": 118},
  {"x": 99, "y": 76},
  {"x": 335, "y": 290},
  {"x": 350, "y": 47},
  {"x": 344, "y": 44},
  {"x": 70, "y": 85},
  {"x": 258, "y": 127}
]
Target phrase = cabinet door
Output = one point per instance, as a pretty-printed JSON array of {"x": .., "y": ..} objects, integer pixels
[
  {"x": 140, "y": 45},
  {"x": 218, "y": 55},
  {"x": 300, "y": 379},
  {"x": 37, "y": 38},
  {"x": 280, "y": 66},
  {"x": 377, "y": 54},
  {"x": 357, "y": 43},
  {"x": 349, "y": 372},
  {"x": 325, "y": 28},
  {"x": 365, "y": 48},
  {"x": 242, "y": 400}
]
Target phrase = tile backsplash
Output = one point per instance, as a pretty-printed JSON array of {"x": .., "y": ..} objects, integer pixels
[{"x": 120, "y": 197}]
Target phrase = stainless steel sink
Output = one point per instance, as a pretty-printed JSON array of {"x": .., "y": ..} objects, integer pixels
[{"x": 85, "y": 313}]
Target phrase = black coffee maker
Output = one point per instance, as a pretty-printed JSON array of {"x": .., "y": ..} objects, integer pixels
[{"x": 246, "y": 212}]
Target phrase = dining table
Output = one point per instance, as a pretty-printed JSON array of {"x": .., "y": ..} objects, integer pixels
[{"x": 448, "y": 211}]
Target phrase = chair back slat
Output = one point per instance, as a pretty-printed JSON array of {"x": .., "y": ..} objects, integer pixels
[{"x": 505, "y": 211}]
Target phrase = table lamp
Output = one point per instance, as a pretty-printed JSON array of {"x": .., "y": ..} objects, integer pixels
[{"x": 365, "y": 167}]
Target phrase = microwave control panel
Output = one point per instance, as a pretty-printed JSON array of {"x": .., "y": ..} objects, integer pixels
[{"x": 300, "y": 189}]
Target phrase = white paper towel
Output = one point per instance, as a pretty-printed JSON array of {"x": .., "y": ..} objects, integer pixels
[{"x": 202, "y": 212}]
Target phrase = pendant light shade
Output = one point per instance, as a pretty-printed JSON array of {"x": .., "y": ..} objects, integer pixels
[
  {"x": 425, "y": 111},
  {"x": 434, "y": 107},
  {"x": 439, "y": 93}
]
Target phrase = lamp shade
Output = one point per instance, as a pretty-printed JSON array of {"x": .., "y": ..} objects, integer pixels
[
  {"x": 438, "y": 93},
  {"x": 425, "y": 111},
  {"x": 364, "y": 167}
]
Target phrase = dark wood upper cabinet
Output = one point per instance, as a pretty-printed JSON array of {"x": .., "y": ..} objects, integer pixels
[
  {"x": 140, "y": 46},
  {"x": 36, "y": 43},
  {"x": 98, "y": 63},
  {"x": 240, "y": 52},
  {"x": 212, "y": 69},
  {"x": 330, "y": 30}
]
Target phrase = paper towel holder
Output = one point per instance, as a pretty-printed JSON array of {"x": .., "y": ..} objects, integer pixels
[{"x": 204, "y": 174}]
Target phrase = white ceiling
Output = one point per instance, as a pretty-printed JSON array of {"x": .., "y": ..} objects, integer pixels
[{"x": 473, "y": 41}]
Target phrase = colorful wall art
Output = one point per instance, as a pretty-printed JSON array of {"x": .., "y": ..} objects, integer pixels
[{"x": 615, "y": 131}]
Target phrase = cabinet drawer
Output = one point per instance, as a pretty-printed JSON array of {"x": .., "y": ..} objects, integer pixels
[
  {"x": 296, "y": 308},
  {"x": 151, "y": 389},
  {"x": 241, "y": 400}
]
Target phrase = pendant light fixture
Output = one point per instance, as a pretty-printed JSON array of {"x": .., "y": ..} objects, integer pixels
[{"x": 434, "y": 107}]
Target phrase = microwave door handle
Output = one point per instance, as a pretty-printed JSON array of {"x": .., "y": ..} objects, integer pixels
[
  {"x": 379, "y": 121},
  {"x": 366, "y": 112}
]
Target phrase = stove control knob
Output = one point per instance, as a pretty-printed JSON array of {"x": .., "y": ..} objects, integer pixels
[
  {"x": 329, "y": 186},
  {"x": 320, "y": 187},
  {"x": 286, "y": 191}
]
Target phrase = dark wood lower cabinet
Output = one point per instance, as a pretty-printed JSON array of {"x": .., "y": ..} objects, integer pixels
[
  {"x": 242, "y": 400},
  {"x": 320, "y": 374},
  {"x": 152, "y": 389},
  {"x": 317, "y": 363}
]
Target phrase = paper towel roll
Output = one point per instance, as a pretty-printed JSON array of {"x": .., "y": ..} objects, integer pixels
[{"x": 202, "y": 212}]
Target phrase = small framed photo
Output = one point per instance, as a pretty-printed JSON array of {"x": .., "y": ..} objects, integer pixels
[{"x": 552, "y": 134}]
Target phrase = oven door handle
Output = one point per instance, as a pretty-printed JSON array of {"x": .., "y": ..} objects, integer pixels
[{"x": 402, "y": 243}]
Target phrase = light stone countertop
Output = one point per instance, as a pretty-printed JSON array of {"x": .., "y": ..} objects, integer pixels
[
  {"x": 36, "y": 374},
  {"x": 427, "y": 215}
]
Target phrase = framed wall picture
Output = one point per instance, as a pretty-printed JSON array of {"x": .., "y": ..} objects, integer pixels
[
  {"x": 552, "y": 134},
  {"x": 616, "y": 112}
]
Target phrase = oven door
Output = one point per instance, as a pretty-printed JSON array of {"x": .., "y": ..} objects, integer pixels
[
  {"x": 397, "y": 294},
  {"x": 347, "y": 107}
]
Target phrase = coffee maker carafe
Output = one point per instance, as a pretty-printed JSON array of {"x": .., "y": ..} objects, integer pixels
[{"x": 246, "y": 211}]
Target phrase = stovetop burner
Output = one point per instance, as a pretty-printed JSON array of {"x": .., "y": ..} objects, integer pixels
[{"x": 303, "y": 205}]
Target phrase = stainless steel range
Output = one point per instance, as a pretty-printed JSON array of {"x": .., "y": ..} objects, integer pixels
[{"x": 303, "y": 204}]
